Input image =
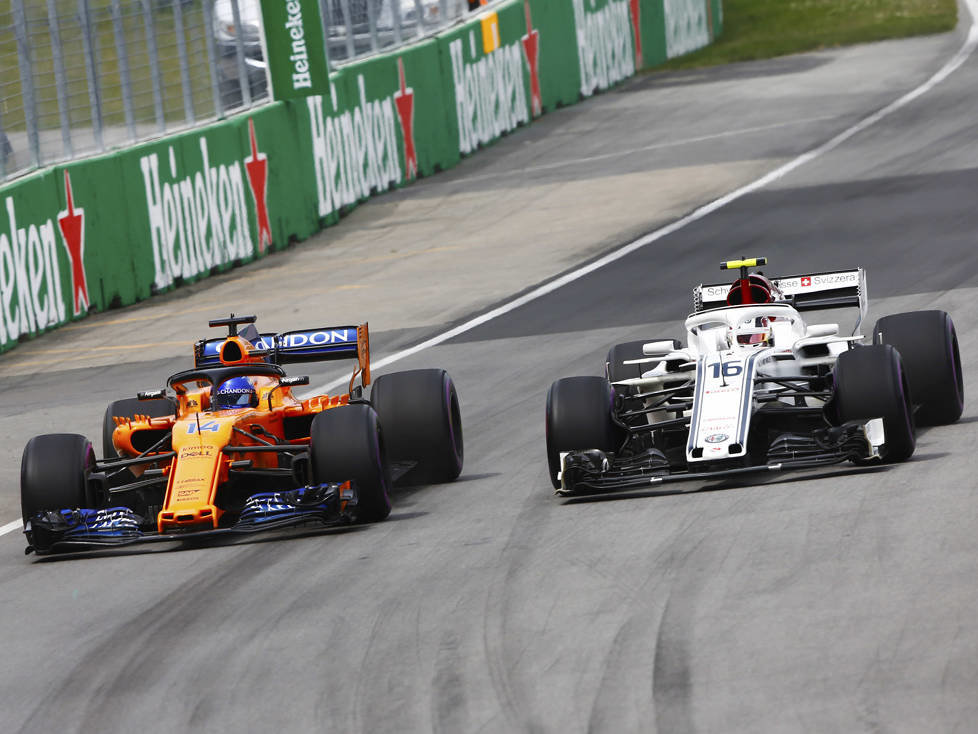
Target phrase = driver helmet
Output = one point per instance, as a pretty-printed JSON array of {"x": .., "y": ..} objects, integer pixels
[
  {"x": 751, "y": 333},
  {"x": 236, "y": 393},
  {"x": 760, "y": 290}
]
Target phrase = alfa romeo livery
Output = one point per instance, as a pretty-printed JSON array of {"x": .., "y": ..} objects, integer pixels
[{"x": 755, "y": 388}]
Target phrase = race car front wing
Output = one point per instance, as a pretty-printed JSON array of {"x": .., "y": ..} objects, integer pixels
[
  {"x": 592, "y": 471},
  {"x": 86, "y": 529}
]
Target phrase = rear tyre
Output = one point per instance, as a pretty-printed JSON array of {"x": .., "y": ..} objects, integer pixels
[
  {"x": 579, "y": 416},
  {"x": 928, "y": 346},
  {"x": 127, "y": 408},
  {"x": 54, "y": 474},
  {"x": 870, "y": 382},
  {"x": 346, "y": 444},
  {"x": 616, "y": 370},
  {"x": 419, "y": 412}
]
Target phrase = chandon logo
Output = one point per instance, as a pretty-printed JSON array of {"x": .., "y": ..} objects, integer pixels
[{"x": 309, "y": 339}]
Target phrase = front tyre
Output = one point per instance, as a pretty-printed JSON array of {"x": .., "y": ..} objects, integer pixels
[
  {"x": 579, "y": 416},
  {"x": 870, "y": 382},
  {"x": 422, "y": 422},
  {"x": 54, "y": 474},
  {"x": 928, "y": 346},
  {"x": 346, "y": 445}
]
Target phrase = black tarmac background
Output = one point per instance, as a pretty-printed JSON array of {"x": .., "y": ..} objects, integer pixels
[{"x": 843, "y": 601}]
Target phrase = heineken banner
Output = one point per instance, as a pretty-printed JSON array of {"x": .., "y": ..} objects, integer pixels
[
  {"x": 295, "y": 48},
  {"x": 109, "y": 231}
]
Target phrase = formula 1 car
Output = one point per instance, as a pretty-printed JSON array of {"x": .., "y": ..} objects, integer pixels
[
  {"x": 755, "y": 389},
  {"x": 227, "y": 448}
]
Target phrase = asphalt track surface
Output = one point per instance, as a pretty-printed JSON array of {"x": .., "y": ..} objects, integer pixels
[{"x": 834, "y": 601}]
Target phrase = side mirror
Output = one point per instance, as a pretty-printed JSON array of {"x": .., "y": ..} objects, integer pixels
[
  {"x": 822, "y": 330},
  {"x": 151, "y": 395},
  {"x": 658, "y": 349}
]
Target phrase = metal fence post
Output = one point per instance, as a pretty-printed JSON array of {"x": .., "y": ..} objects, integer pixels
[
  {"x": 188, "y": 98},
  {"x": 27, "y": 81},
  {"x": 212, "y": 56},
  {"x": 443, "y": 12},
  {"x": 396, "y": 19},
  {"x": 243, "y": 80},
  {"x": 372, "y": 25},
  {"x": 122, "y": 53},
  {"x": 419, "y": 12},
  {"x": 325, "y": 18},
  {"x": 91, "y": 72},
  {"x": 154, "y": 64},
  {"x": 348, "y": 22},
  {"x": 59, "y": 79},
  {"x": 3, "y": 151}
]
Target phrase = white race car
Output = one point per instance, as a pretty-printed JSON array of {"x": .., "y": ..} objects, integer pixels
[{"x": 755, "y": 388}]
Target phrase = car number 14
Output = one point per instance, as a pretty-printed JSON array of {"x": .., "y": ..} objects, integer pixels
[{"x": 206, "y": 426}]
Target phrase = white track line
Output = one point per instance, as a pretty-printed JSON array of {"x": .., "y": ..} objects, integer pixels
[{"x": 956, "y": 61}]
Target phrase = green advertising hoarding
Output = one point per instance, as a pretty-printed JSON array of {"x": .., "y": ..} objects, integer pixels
[
  {"x": 295, "y": 48},
  {"x": 385, "y": 123},
  {"x": 112, "y": 230},
  {"x": 206, "y": 200}
]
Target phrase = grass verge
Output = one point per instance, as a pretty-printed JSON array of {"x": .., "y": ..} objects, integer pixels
[{"x": 761, "y": 29}]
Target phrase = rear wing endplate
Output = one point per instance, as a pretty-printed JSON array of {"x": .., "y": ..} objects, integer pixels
[{"x": 811, "y": 292}]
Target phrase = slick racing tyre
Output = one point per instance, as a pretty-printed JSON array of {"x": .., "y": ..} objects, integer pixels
[
  {"x": 870, "y": 382},
  {"x": 346, "y": 445},
  {"x": 928, "y": 345},
  {"x": 579, "y": 416},
  {"x": 619, "y": 353},
  {"x": 419, "y": 412},
  {"x": 127, "y": 408},
  {"x": 54, "y": 473}
]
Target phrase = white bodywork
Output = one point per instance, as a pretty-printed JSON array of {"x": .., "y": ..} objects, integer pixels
[{"x": 727, "y": 376}]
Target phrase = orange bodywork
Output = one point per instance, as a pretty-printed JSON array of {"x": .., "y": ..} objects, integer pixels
[{"x": 196, "y": 464}]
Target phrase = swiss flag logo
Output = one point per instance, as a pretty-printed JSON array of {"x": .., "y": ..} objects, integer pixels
[{"x": 805, "y": 282}]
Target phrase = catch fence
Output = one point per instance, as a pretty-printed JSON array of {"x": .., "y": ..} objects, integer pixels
[{"x": 82, "y": 76}]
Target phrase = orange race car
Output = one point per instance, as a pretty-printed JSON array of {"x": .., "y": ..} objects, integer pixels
[{"x": 227, "y": 448}]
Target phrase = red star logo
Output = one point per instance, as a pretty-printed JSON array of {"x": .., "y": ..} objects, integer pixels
[
  {"x": 257, "y": 168},
  {"x": 404, "y": 99},
  {"x": 805, "y": 282},
  {"x": 72, "y": 224},
  {"x": 531, "y": 48},
  {"x": 637, "y": 29}
]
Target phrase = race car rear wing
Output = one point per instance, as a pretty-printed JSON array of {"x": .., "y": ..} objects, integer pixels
[
  {"x": 292, "y": 347},
  {"x": 815, "y": 291}
]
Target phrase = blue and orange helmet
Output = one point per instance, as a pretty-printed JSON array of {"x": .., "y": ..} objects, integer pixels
[{"x": 236, "y": 393}]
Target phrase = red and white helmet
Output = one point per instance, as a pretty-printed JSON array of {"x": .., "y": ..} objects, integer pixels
[{"x": 755, "y": 288}]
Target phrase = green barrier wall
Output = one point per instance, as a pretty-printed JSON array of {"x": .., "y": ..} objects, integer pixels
[{"x": 110, "y": 231}]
